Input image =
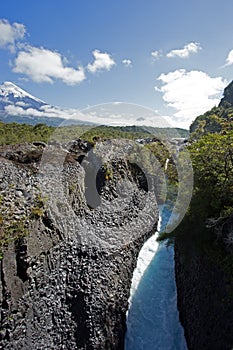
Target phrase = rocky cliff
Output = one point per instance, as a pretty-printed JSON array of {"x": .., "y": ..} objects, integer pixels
[
  {"x": 204, "y": 281},
  {"x": 73, "y": 219},
  {"x": 204, "y": 239},
  {"x": 218, "y": 119}
]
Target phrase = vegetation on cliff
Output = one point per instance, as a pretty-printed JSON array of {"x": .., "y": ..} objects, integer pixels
[
  {"x": 212, "y": 159},
  {"x": 211, "y": 152},
  {"x": 218, "y": 120}
]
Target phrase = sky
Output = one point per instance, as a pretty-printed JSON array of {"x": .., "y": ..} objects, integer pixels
[{"x": 172, "y": 57}]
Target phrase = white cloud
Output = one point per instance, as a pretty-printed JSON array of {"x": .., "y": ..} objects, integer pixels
[
  {"x": 121, "y": 113},
  {"x": 22, "y": 104},
  {"x": 44, "y": 111},
  {"x": 127, "y": 62},
  {"x": 10, "y": 33},
  {"x": 43, "y": 65},
  {"x": 190, "y": 93},
  {"x": 103, "y": 61},
  {"x": 114, "y": 114},
  {"x": 17, "y": 110},
  {"x": 155, "y": 54},
  {"x": 229, "y": 59},
  {"x": 186, "y": 51}
]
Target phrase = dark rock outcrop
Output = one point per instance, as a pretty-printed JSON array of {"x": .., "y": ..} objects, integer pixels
[
  {"x": 205, "y": 294},
  {"x": 227, "y": 100},
  {"x": 66, "y": 273}
]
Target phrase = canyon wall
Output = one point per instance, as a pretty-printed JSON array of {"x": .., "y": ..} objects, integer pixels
[
  {"x": 72, "y": 226},
  {"x": 204, "y": 281}
]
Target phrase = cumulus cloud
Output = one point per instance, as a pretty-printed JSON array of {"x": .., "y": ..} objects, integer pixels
[
  {"x": 127, "y": 62},
  {"x": 185, "y": 51},
  {"x": 22, "y": 104},
  {"x": 190, "y": 93},
  {"x": 229, "y": 59},
  {"x": 17, "y": 110},
  {"x": 44, "y": 111},
  {"x": 10, "y": 33},
  {"x": 155, "y": 54},
  {"x": 43, "y": 65},
  {"x": 102, "y": 61}
]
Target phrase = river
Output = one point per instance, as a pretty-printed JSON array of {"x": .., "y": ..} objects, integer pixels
[{"x": 153, "y": 320}]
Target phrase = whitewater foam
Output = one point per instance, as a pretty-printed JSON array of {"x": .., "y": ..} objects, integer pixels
[{"x": 145, "y": 257}]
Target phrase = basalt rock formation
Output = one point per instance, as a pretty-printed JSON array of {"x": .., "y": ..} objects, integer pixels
[
  {"x": 205, "y": 289},
  {"x": 73, "y": 220}
]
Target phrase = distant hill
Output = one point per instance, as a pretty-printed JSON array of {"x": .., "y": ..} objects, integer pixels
[
  {"x": 143, "y": 131},
  {"x": 13, "y": 133}
]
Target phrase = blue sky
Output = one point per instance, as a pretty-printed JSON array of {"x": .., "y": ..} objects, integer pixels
[{"x": 80, "y": 53}]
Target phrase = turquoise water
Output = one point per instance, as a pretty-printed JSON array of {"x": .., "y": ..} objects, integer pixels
[{"x": 153, "y": 320}]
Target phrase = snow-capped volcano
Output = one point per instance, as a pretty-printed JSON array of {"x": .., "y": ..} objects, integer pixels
[
  {"x": 8, "y": 90},
  {"x": 16, "y": 101},
  {"x": 17, "y": 105}
]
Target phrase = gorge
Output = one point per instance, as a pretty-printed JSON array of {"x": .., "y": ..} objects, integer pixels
[{"x": 74, "y": 216}]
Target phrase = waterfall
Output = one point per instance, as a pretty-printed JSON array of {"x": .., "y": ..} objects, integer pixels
[{"x": 166, "y": 164}]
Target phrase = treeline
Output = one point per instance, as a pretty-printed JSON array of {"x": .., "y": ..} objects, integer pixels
[{"x": 13, "y": 133}]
